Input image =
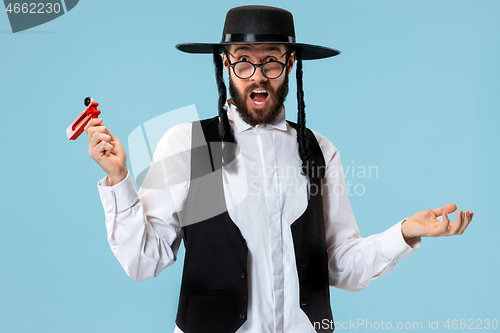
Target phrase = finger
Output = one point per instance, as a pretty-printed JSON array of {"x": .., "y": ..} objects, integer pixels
[
  {"x": 467, "y": 219},
  {"x": 92, "y": 123},
  {"x": 101, "y": 149},
  {"x": 442, "y": 226},
  {"x": 455, "y": 226},
  {"x": 460, "y": 216},
  {"x": 97, "y": 137},
  {"x": 449, "y": 208},
  {"x": 94, "y": 129}
]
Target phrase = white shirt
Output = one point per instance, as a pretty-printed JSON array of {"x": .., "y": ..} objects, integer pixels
[{"x": 263, "y": 198}]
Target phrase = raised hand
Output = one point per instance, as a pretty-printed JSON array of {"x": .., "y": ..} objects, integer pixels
[
  {"x": 426, "y": 224},
  {"x": 107, "y": 151}
]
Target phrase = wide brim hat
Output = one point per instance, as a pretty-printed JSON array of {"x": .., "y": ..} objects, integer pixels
[{"x": 260, "y": 25}]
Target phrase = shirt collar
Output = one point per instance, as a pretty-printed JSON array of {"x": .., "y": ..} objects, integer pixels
[{"x": 240, "y": 125}]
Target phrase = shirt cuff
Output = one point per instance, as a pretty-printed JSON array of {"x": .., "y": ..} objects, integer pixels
[
  {"x": 394, "y": 245},
  {"x": 120, "y": 196}
]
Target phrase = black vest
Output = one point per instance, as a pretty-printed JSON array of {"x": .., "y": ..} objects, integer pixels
[{"x": 214, "y": 290}]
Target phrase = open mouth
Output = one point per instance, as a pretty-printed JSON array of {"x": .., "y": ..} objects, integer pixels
[{"x": 259, "y": 96}]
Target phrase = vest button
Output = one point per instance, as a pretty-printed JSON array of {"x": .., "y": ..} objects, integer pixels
[
  {"x": 243, "y": 275},
  {"x": 242, "y": 316}
]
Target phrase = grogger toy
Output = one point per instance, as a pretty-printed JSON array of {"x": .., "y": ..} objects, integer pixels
[{"x": 77, "y": 127}]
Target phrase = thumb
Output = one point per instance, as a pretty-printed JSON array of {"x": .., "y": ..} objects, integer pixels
[{"x": 449, "y": 208}]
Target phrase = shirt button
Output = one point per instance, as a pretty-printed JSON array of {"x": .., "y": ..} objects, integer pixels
[
  {"x": 243, "y": 275},
  {"x": 242, "y": 316}
]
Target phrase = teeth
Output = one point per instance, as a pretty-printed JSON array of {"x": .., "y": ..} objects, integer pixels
[{"x": 258, "y": 91}]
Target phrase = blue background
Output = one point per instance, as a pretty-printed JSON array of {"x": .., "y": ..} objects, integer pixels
[{"x": 414, "y": 93}]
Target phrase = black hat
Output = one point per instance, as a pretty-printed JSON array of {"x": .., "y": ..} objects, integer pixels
[{"x": 259, "y": 25}]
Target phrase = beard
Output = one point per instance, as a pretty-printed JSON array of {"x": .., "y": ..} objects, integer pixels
[{"x": 260, "y": 116}]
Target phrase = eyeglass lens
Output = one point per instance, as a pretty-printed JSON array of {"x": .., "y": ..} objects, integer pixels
[{"x": 270, "y": 69}]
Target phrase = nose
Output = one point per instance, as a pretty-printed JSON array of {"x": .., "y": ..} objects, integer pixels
[{"x": 258, "y": 76}]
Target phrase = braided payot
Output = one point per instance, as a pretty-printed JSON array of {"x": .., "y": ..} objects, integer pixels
[
  {"x": 225, "y": 130},
  {"x": 301, "y": 121}
]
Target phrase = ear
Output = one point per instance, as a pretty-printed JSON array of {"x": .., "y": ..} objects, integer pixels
[
  {"x": 291, "y": 62},
  {"x": 224, "y": 61}
]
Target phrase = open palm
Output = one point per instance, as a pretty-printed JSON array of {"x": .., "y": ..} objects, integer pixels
[{"x": 426, "y": 224}]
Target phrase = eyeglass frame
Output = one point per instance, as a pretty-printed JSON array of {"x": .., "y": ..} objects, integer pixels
[{"x": 283, "y": 65}]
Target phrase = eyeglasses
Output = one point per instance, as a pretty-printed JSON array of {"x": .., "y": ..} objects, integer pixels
[{"x": 271, "y": 69}]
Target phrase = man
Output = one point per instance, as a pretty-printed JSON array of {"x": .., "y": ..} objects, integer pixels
[{"x": 260, "y": 202}]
